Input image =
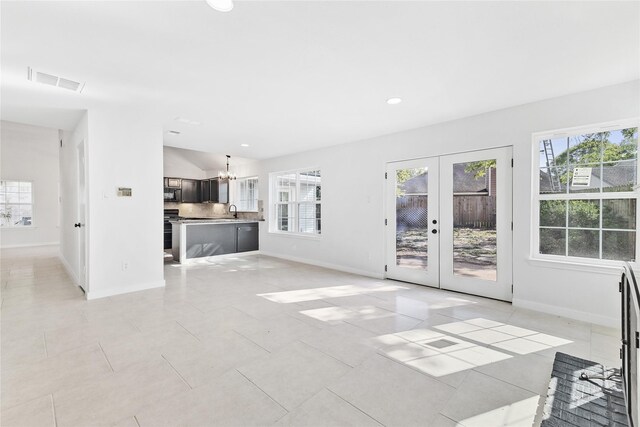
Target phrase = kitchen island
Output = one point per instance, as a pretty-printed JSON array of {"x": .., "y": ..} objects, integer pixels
[{"x": 200, "y": 238}]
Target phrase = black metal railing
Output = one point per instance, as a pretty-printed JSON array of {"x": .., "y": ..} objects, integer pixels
[{"x": 630, "y": 341}]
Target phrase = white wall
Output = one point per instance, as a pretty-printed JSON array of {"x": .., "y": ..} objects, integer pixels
[
  {"x": 69, "y": 247},
  {"x": 176, "y": 165},
  {"x": 124, "y": 150},
  {"x": 353, "y": 196},
  {"x": 30, "y": 153}
]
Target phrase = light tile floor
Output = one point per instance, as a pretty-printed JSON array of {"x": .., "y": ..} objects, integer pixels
[{"x": 254, "y": 340}]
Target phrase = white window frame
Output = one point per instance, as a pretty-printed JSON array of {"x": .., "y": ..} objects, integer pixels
[
  {"x": 579, "y": 262},
  {"x": 238, "y": 194},
  {"x": 273, "y": 204},
  {"x": 32, "y": 225}
]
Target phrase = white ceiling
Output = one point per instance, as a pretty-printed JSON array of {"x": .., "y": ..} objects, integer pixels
[{"x": 296, "y": 75}]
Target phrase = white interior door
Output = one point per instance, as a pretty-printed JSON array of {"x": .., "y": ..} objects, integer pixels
[
  {"x": 476, "y": 223},
  {"x": 412, "y": 216},
  {"x": 80, "y": 224},
  {"x": 449, "y": 222}
]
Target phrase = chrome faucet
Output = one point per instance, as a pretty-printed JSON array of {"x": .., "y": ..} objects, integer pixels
[{"x": 235, "y": 212}]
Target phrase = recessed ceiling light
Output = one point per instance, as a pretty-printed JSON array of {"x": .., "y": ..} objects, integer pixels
[
  {"x": 174, "y": 132},
  {"x": 244, "y": 145},
  {"x": 394, "y": 101},
  {"x": 221, "y": 5}
]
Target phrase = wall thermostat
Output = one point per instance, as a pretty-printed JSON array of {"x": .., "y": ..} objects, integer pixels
[{"x": 124, "y": 192}]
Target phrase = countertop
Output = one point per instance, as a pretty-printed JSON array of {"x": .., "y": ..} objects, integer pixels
[{"x": 213, "y": 221}]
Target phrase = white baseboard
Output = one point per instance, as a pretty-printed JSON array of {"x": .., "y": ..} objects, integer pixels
[
  {"x": 117, "y": 291},
  {"x": 69, "y": 270},
  {"x": 324, "y": 265},
  {"x": 583, "y": 316},
  {"x": 29, "y": 245}
]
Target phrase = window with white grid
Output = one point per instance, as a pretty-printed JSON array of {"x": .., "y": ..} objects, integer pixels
[
  {"x": 16, "y": 203},
  {"x": 296, "y": 201},
  {"x": 247, "y": 194},
  {"x": 586, "y": 194}
]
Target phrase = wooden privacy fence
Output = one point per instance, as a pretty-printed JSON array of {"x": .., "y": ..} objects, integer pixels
[
  {"x": 474, "y": 211},
  {"x": 469, "y": 211}
]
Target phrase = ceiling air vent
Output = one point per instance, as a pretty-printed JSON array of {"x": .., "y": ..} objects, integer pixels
[{"x": 51, "y": 80}]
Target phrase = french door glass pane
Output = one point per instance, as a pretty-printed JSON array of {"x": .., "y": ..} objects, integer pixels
[
  {"x": 412, "y": 222},
  {"x": 474, "y": 220}
]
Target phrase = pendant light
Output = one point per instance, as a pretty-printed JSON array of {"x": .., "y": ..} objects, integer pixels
[
  {"x": 226, "y": 174},
  {"x": 221, "y": 5}
]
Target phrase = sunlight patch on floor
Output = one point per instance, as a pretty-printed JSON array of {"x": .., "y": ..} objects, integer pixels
[
  {"x": 517, "y": 414},
  {"x": 287, "y": 297},
  {"x": 457, "y": 346}
]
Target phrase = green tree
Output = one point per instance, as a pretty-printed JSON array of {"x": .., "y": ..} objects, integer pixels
[
  {"x": 479, "y": 168},
  {"x": 404, "y": 175},
  {"x": 595, "y": 148}
]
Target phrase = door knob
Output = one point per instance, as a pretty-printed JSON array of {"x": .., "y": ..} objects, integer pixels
[
  {"x": 78, "y": 225},
  {"x": 434, "y": 231}
]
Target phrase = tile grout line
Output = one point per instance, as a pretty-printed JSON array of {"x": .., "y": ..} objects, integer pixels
[
  {"x": 53, "y": 407},
  {"x": 351, "y": 404},
  {"x": 178, "y": 373},
  {"x": 105, "y": 357},
  {"x": 44, "y": 341},
  {"x": 188, "y": 331},
  {"x": 265, "y": 393},
  {"x": 322, "y": 352},
  {"x": 247, "y": 338}
]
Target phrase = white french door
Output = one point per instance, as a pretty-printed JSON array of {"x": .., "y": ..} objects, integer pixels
[
  {"x": 449, "y": 222},
  {"x": 412, "y": 248}
]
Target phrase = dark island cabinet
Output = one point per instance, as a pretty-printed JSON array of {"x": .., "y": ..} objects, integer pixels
[{"x": 247, "y": 237}]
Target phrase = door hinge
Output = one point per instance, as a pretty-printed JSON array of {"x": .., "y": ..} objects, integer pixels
[
  {"x": 385, "y": 175},
  {"x": 621, "y": 353},
  {"x": 60, "y": 143},
  {"x": 511, "y": 225},
  {"x": 637, "y": 339},
  {"x": 512, "y": 288},
  {"x": 385, "y": 221},
  {"x": 511, "y": 162},
  {"x": 385, "y": 267},
  {"x": 620, "y": 286}
]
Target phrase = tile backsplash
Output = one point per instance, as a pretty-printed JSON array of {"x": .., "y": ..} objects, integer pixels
[{"x": 207, "y": 210}]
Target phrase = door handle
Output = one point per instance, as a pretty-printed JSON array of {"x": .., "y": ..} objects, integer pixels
[
  {"x": 77, "y": 225},
  {"x": 434, "y": 231}
]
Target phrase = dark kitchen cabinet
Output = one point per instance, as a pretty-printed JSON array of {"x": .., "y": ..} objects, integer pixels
[
  {"x": 219, "y": 190},
  {"x": 190, "y": 191},
  {"x": 247, "y": 237},
  {"x": 205, "y": 190}
]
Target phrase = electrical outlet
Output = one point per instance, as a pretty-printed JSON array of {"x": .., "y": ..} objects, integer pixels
[{"x": 125, "y": 265}]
